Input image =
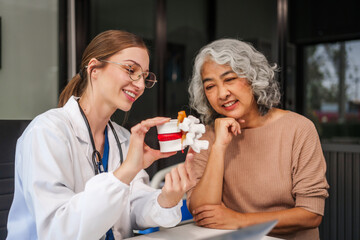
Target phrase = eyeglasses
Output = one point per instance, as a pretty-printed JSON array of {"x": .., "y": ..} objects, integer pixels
[{"x": 135, "y": 73}]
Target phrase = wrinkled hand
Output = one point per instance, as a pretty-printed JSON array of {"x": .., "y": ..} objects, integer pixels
[
  {"x": 140, "y": 155},
  {"x": 217, "y": 216},
  {"x": 225, "y": 129},
  {"x": 177, "y": 183}
]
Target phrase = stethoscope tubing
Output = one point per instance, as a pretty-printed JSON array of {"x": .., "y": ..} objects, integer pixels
[{"x": 98, "y": 166}]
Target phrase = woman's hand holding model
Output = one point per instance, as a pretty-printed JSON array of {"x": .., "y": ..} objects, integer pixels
[{"x": 141, "y": 156}]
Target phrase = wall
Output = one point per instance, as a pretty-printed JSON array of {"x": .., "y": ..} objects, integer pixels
[
  {"x": 254, "y": 21},
  {"x": 136, "y": 16},
  {"x": 29, "y": 49}
]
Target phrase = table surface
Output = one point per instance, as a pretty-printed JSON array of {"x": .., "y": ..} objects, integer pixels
[{"x": 187, "y": 231}]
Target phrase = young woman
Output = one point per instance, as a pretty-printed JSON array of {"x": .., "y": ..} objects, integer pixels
[
  {"x": 263, "y": 163},
  {"x": 80, "y": 176}
]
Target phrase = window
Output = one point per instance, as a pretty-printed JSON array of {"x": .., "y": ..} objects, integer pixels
[
  {"x": 186, "y": 34},
  {"x": 332, "y": 91}
]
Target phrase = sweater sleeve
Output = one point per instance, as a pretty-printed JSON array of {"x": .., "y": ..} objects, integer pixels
[
  {"x": 199, "y": 162},
  {"x": 308, "y": 169}
]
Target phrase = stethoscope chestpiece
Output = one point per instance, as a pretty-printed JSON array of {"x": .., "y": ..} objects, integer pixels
[{"x": 96, "y": 158}]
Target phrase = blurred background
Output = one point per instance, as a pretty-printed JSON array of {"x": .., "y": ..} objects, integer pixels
[{"x": 316, "y": 45}]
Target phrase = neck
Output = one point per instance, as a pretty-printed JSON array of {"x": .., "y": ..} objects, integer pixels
[
  {"x": 96, "y": 115},
  {"x": 253, "y": 119}
]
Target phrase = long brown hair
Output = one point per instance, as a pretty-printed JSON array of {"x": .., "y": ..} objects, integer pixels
[{"x": 101, "y": 47}]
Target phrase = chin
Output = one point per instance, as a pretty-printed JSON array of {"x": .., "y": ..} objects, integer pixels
[
  {"x": 124, "y": 108},
  {"x": 235, "y": 116}
]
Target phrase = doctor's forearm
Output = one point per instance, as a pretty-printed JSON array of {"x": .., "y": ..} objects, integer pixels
[
  {"x": 125, "y": 173},
  {"x": 209, "y": 188}
]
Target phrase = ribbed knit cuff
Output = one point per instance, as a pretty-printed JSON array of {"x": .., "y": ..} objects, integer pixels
[{"x": 312, "y": 204}]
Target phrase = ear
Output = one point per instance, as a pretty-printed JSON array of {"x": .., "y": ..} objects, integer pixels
[{"x": 91, "y": 68}]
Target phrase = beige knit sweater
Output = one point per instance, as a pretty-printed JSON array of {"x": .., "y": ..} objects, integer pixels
[{"x": 274, "y": 167}]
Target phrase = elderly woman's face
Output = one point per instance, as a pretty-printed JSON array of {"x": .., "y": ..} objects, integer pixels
[{"x": 228, "y": 94}]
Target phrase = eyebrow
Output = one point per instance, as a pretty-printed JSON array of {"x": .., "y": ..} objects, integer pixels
[
  {"x": 226, "y": 73},
  {"x": 221, "y": 76},
  {"x": 132, "y": 61},
  {"x": 136, "y": 63},
  {"x": 206, "y": 79}
]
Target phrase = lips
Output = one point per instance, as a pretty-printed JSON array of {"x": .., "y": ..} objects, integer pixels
[
  {"x": 229, "y": 104},
  {"x": 130, "y": 95}
]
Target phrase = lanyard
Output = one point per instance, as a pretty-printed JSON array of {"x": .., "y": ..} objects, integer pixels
[
  {"x": 105, "y": 157},
  {"x": 96, "y": 156}
]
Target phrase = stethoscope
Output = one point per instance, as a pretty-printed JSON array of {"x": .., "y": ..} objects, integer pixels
[{"x": 98, "y": 165}]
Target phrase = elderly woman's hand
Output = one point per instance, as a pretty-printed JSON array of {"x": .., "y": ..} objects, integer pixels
[
  {"x": 225, "y": 129},
  {"x": 217, "y": 216}
]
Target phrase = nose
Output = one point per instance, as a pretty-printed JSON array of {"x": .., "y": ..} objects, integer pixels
[
  {"x": 139, "y": 84},
  {"x": 223, "y": 92}
]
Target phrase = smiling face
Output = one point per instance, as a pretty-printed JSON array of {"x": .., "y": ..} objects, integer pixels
[
  {"x": 113, "y": 84},
  {"x": 227, "y": 93}
]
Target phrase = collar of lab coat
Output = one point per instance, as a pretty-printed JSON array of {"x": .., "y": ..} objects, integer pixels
[{"x": 79, "y": 125}]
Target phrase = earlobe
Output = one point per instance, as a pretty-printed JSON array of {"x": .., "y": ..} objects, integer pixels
[{"x": 93, "y": 73}]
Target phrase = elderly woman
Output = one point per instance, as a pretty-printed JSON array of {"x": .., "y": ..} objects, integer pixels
[{"x": 263, "y": 163}]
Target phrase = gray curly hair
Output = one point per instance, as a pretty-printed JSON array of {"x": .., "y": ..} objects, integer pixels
[{"x": 245, "y": 61}]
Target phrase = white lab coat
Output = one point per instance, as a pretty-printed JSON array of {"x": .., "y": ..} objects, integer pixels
[{"x": 58, "y": 196}]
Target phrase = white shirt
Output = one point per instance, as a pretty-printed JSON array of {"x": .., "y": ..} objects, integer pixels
[{"x": 58, "y": 196}]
